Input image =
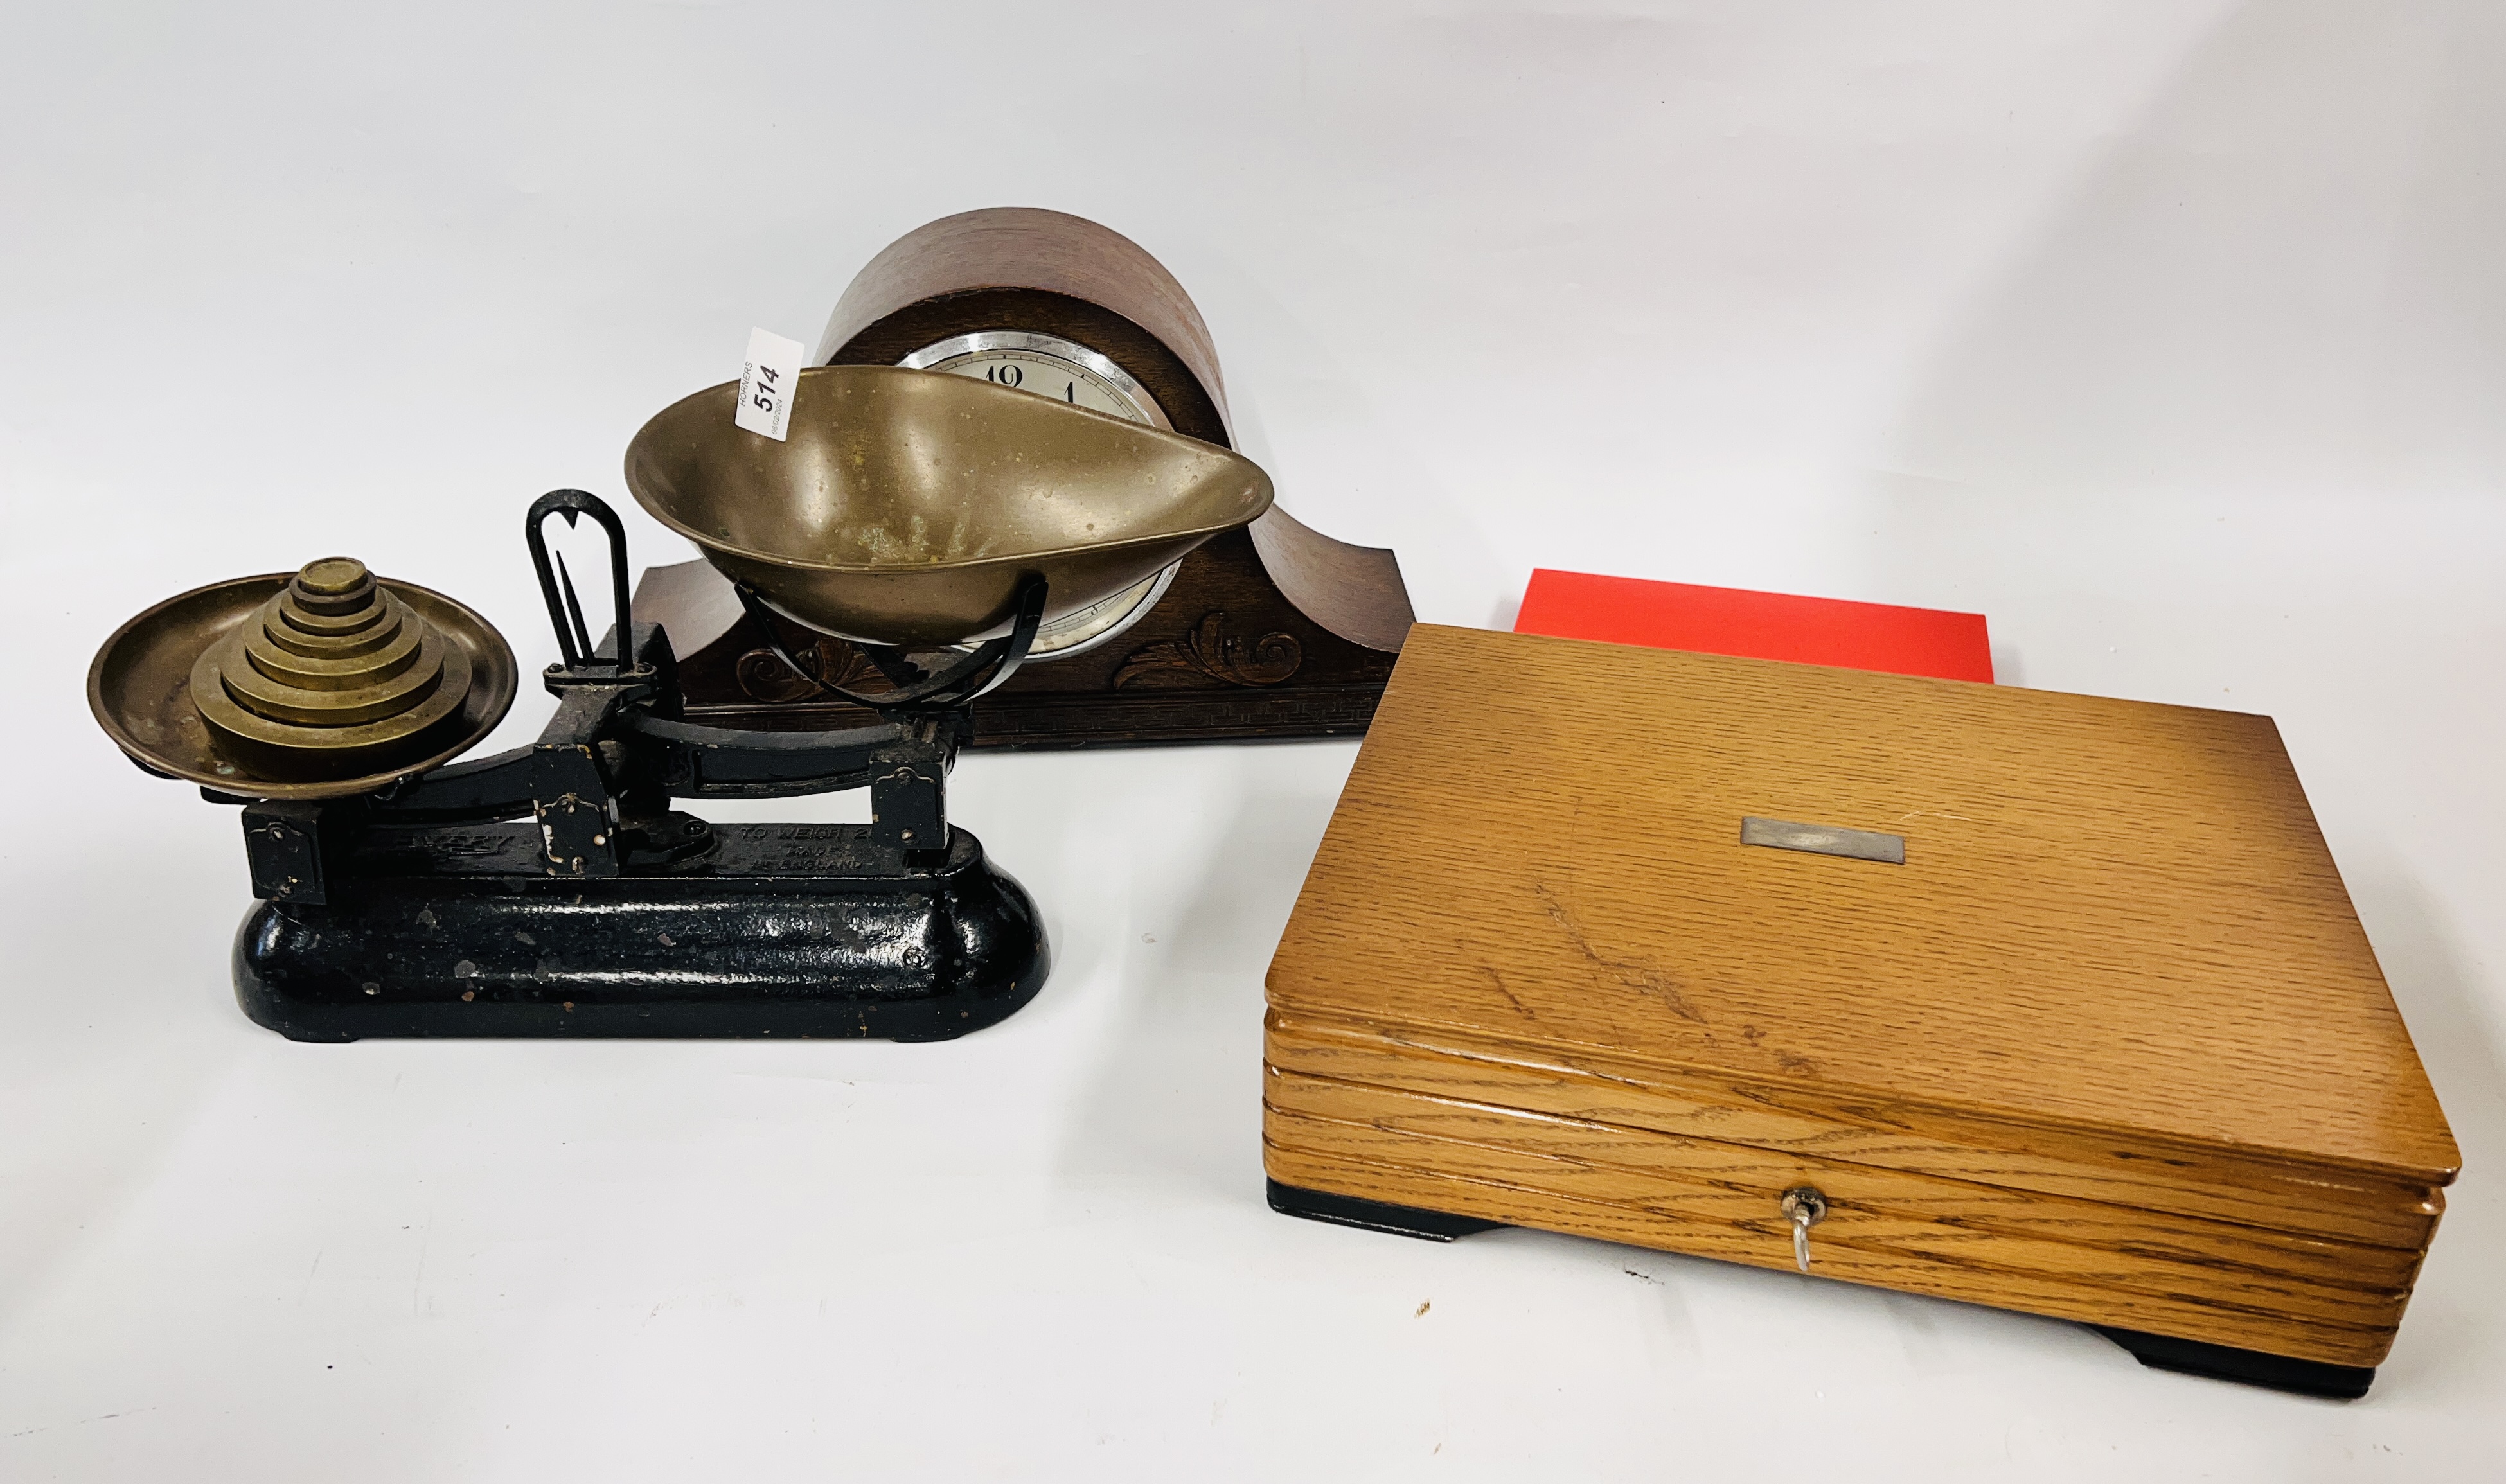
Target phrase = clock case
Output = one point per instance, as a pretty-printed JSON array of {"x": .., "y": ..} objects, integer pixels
[{"x": 1272, "y": 631}]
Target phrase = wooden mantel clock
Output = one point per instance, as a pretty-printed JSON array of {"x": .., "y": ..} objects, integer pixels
[{"x": 1275, "y": 631}]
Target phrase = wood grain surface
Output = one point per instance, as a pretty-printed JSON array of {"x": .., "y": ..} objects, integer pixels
[
  {"x": 1734, "y": 1184},
  {"x": 2109, "y": 1045},
  {"x": 2181, "y": 1179},
  {"x": 1524, "y": 1197},
  {"x": 2116, "y": 921},
  {"x": 1027, "y": 248}
]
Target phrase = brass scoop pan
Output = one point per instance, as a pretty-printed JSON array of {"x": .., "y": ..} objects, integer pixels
[
  {"x": 316, "y": 684},
  {"x": 905, "y": 506}
]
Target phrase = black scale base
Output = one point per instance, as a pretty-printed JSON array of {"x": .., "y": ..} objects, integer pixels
[
  {"x": 779, "y": 931},
  {"x": 2308, "y": 1378}
]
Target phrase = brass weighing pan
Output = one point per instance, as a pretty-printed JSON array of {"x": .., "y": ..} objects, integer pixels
[
  {"x": 140, "y": 689},
  {"x": 906, "y": 505}
]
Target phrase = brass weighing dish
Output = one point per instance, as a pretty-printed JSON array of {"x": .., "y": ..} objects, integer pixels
[
  {"x": 140, "y": 687},
  {"x": 906, "y": 505}
]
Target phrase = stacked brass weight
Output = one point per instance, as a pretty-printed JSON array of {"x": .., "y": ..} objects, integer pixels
[{"x": 332, "y": 677}]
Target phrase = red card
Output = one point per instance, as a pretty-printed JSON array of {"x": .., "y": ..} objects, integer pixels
[{"x": 1756, "y": 625}]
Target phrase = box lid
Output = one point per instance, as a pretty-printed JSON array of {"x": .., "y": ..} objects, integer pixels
[{"x": 2110, "y": 916}]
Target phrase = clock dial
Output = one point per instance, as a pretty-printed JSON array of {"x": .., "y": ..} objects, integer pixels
[{"x": 1048, "y": 365}]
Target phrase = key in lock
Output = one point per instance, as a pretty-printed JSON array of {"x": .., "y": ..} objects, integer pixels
[{"x": 1805, "y": 1207}]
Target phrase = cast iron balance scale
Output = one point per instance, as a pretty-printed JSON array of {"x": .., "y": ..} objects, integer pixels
[{"x": 932, "y": 521}]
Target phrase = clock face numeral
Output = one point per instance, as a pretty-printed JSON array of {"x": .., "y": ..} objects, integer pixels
[
  {"x": 1043, "y": 366},
  {"x": 1045, "y": 375}
]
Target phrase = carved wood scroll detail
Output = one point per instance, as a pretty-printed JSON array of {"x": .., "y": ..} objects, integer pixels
[
  {"x": 763, "y": 677},
  {"x": 1210, "y": 655}
]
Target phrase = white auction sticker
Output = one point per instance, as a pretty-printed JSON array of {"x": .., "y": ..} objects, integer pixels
[{"x": 767, "y": 383}]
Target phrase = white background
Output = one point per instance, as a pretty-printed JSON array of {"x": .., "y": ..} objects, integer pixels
[{"x": 2170, "y": 334}]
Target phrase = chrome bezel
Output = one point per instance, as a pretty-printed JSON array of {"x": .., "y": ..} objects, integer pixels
[
  {"x": 981, "y": 340},
  {"x": 1098, "y": 623}
]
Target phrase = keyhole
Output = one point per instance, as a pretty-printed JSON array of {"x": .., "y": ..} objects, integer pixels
[{"x": 1805, "y": 1208}]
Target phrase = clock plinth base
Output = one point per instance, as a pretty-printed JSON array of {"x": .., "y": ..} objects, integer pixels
[{"x": 1224, "y": 656}]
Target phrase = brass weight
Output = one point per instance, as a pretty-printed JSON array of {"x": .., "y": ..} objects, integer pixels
[
  {"x": 332, "y": 676},
  {"x": 251, "y": 687}
]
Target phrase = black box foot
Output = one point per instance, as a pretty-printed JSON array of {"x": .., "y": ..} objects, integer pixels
[
  {"x": 2254, "y": 1368},
  {"x": 1373, "y": 1216}
]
